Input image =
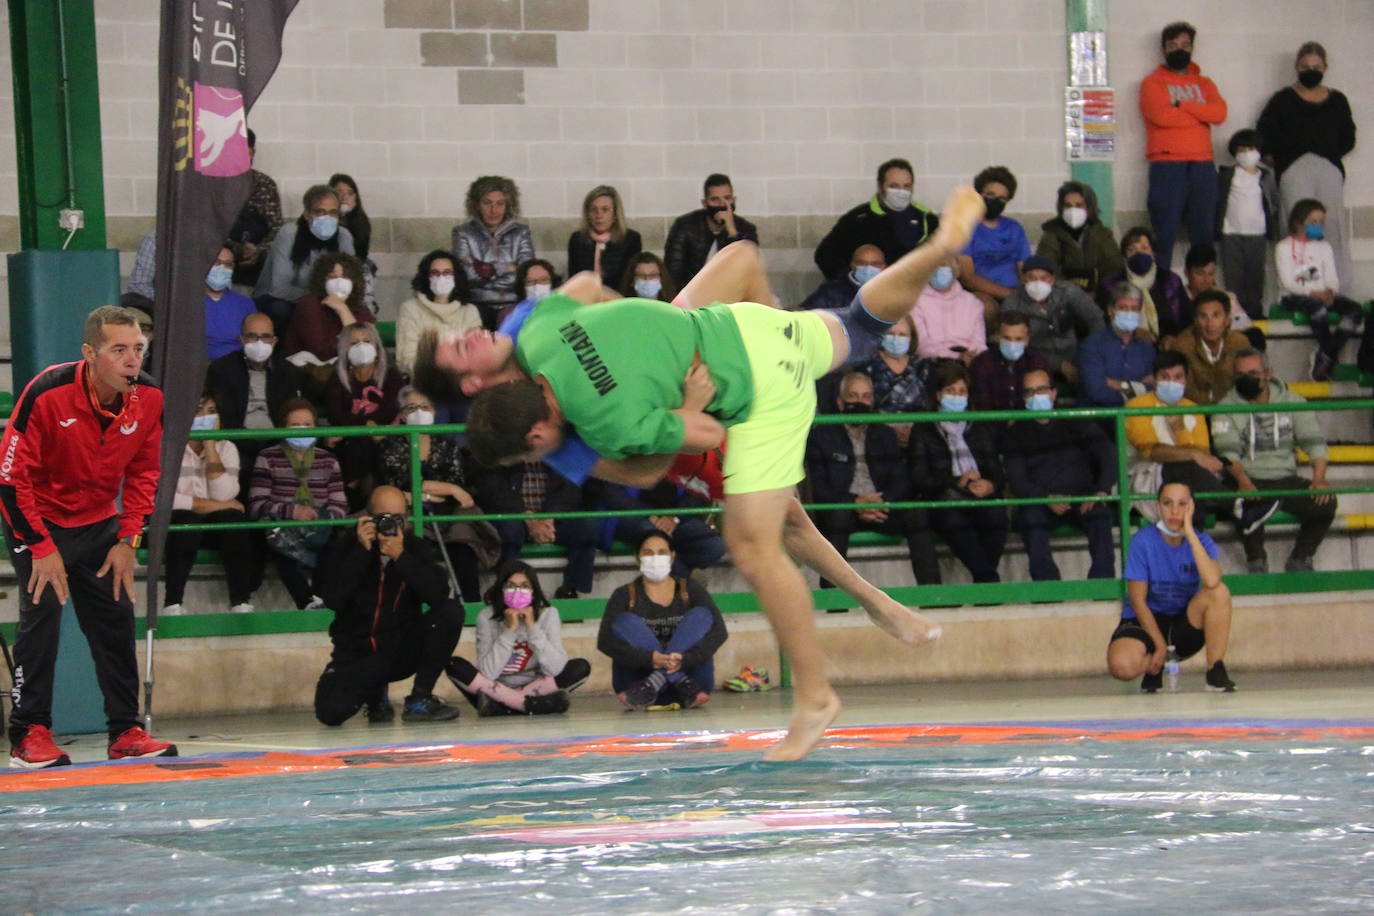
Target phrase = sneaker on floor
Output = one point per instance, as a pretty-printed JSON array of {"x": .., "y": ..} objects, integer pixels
[
  {"x": 314, "y": 604},
  {"x": 242, "y": 608},
  {"x": 488, "y": 707},
  {"x": 1322, "y": 365},
  {"x": 379, "y": 710},
  {"x": 36, "y": 750},
  {"x": 1151, "y": 683},
  {"x": 564, "y": 591},
  {"x": 574, "y": 674},
  {"x": 173, "y": 610},
  {"x": 1257, "y": 566},
  {"x": 642, "y": 694},
  {"x": 690, "y": 694},
  {"x": 1298, "y": 564},
  {"x": 546, "y": 704},
  {"x": 428, "y": 709},
  {"x": 1217, "y": 680},
  {"x": 135, "y": 742},
  {"x": 1256, "y": 513}
]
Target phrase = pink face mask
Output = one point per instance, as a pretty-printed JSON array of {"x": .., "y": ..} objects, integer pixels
[{"x": 517, "y": 599}]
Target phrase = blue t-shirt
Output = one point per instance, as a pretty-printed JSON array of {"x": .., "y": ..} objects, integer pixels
[
  {"x": 996, "y": 251},
  {"x": 1170, "y": 571},
  {"x": 574, "y": 459},
  {"x": 223, "y": 319}
]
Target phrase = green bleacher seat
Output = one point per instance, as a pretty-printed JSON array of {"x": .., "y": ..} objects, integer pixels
[
  {"x": 6, "y": 403},
  {"x": 387, "y": 331}
]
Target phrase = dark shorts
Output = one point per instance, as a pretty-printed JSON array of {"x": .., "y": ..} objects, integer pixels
[{"x": 1177, "y": 629}]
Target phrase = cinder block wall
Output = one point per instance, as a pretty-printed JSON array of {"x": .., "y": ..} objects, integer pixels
[{"x": 797, "y": 100}]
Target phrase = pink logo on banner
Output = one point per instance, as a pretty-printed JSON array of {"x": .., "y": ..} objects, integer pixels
[{"x": 221, "y": 132}]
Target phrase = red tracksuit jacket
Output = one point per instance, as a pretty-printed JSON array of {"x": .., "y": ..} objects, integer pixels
[{"x": 58, "y": 465}]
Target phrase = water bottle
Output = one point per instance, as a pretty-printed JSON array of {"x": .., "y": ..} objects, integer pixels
[{"x": 1171, "y": 671}]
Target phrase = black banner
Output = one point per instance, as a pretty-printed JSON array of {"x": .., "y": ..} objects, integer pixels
[{"x": 216, "y": 56}]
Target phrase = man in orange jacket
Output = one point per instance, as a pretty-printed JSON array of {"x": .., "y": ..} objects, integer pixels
[{"x": 1180, "y": 105}]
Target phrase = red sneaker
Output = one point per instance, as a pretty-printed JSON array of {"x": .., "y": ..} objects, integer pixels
[
  {"x": 135, "y": 742},
  {"x": 37, "y": 750}
]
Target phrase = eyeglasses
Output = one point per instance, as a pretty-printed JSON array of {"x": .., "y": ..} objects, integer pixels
[
  {"x": 1043, "y": 389},
  {"x": 411, "y": 408}
]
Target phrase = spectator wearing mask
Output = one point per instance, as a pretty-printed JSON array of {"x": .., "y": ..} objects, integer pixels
[
  {"x": 257, "y": 224},
  {"x": 865, "y": 264},
  {"x": 298, "y": 481},
  {"x": 1260, "y": 451},
  {"x": 1164, "y": 310},
  {"x": 287, "y": 269},
  {"x": 1306, "y": 266},
  {"x": 439, "y": 303},
  {"x": 207, "y": 492},
  {"x": 696, "y": 545},
  {"x": 994, "y": 257},
  {"x": 995, "y": 375},
  {"x": 522, "y": 665},
  {"x": 862, "y": 463},
  {"x": 334, "y": 301},
  {"x": 376, "y": 579},
  {"x": 1180, "y": 105},
  {"x": 363, "y": 391},
  {"x": 661, "y": 634},
  {"x": 1115, "y": 363},
  {"x": 491, "y": 244},
  {"x": 901, "y": 380},
  {"x": 1248, "y": 218},
  {"x": 647, "y": 278},
  {"x": 352, "y": 216},
  {"x": 1200, "y": 276},
  {"x": 1060, "y": 458},
  {"x": 225, "y": 308},
  {"x": 1210, "y": 346},
  {"x": 250, "y": 385},
  {"x": 1078, "y": 241},
  {"x": 604, "y": 243},
  {"x": 1061, "y": 315},
  {"x": 949, "y": 319},
  {"x": 695, "y": 237},
  {"x": 890, "y": 219},
  {"x": 1308, "y": 131},
  {"x": 957, "y": 459}
]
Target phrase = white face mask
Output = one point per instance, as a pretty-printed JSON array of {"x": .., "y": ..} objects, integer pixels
[
  {"x": 538, "y": 291},
  {"x": 896, "y": 198},
  {"x": 257, "y": 350},
  {"x": 656, "y": 568},
  {"x": 1248, "y": 158},
  {"x": 420, "y": 418},
  {"x": 362, "y": 353},
  {"x": 1075, "y": 217},
  {"x": 441, "y": 285},
  {"x": 1167, "y": 531},
  {"x": 1038, "y": 290},
  {"x": 338, "y": 286},
  {"x": 346, "y": 209}
]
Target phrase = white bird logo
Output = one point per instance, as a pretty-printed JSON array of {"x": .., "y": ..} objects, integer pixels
[{"x": 216, "y": 130}]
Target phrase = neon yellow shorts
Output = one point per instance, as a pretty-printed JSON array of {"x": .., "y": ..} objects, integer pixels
[{"x": 787, "y": 352}]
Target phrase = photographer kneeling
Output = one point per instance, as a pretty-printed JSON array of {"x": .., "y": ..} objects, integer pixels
[{"x": 375, "y": 579}]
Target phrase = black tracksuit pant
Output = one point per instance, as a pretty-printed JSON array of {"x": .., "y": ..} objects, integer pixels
[{"x": 108, "y": 625}]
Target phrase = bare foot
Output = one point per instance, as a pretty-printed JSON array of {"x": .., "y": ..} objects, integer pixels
[
  {"x": 902, "y": 623},
  {"x": 807, "y": 728},
  {"x": 964, "y": 209}
]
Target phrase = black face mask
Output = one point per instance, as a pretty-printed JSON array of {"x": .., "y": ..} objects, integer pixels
[
  {"x": 995, "y": 206},
  {"x": 1310, "y": 78},
  {"x": 856, "y": 407},
  {"x": 717, "y": 209},
  {"x": 1178, "y": 60},
  {"x": 1248, "y": 387}
]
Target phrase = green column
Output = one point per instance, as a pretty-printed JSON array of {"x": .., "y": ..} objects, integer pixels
[
  {"x": 57, "y": 121},
  {"x": 1091, "y": 16}
]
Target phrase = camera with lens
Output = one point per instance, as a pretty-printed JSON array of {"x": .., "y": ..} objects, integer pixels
[{"x": 389, "y": 524}]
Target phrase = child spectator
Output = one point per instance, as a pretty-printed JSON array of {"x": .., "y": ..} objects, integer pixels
[
  {"x": 1076, "y": 239},
  {"x": 1307, "y": 273},
  {"x": 1247, "y": 218},
  {"x": 992, "y": 260}
]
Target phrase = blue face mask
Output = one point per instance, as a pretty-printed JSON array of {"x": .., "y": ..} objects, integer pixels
[
  {"x": 1169, "y": 392},
  {"x": 324, "y": 227},
  {"x": 648, "y": 289},
  {"x": 1315, "y": 231},
  {"x": 301, "y": 442},
  {"x": 863, "y": 273},
  {"x": 206, "y": 422},
  {"x": 219, "y": 277},
  {"x": 896, "y": 344},
  {"x": 1011, "y": 350},
  {"x": 953, "y": 403},
  {"x": 1039, "y": 402},
  {"x": 943, "y": 277},
  {"x": 1126, "y": 322},
  {"x": 1167, "y": 531}
]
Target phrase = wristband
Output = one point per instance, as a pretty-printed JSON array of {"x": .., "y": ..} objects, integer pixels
[{"x": 133, "y": 540}]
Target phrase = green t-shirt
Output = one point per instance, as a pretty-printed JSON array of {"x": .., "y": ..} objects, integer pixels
[{"x": 617, "y": 368}]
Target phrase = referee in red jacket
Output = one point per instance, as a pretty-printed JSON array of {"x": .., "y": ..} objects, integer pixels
[{"x": 81, "y": 434}]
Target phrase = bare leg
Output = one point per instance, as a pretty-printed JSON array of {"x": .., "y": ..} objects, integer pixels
[
  {"x": 584, "y": 286},
  {"x": 809, "y": 547},
  {"x": 890, "y": 295},
  {"x": 753, "y": 531},
  {"x": 1127, "y": 658},
  {"x": 735, "y": 274},
  {"x": 1210, "y": 612}
]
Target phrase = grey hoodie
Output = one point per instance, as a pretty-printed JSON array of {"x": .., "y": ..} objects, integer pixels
[{"x": 1265, "y": 443}]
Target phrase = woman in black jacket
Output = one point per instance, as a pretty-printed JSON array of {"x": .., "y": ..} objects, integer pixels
[
  {"x": 957, "y": 459},
  {"x": 603, "y": 242}
]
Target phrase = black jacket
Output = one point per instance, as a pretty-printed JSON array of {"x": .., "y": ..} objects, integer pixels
[
  {"x": 932, "y": 468},
  {"x": 630, "y": 599},
  {"x": 830, "y": 463},
  {"x": 869, "y": 224},
  {"x": 614, "y": 259},
  {"x": 227, "y": 377},
  {"x": 1061, "y": 457},
  {"x": 690, "y": 240},
  {"x": 372, "y": 607},
  {"x": 498, "y": 490}
]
